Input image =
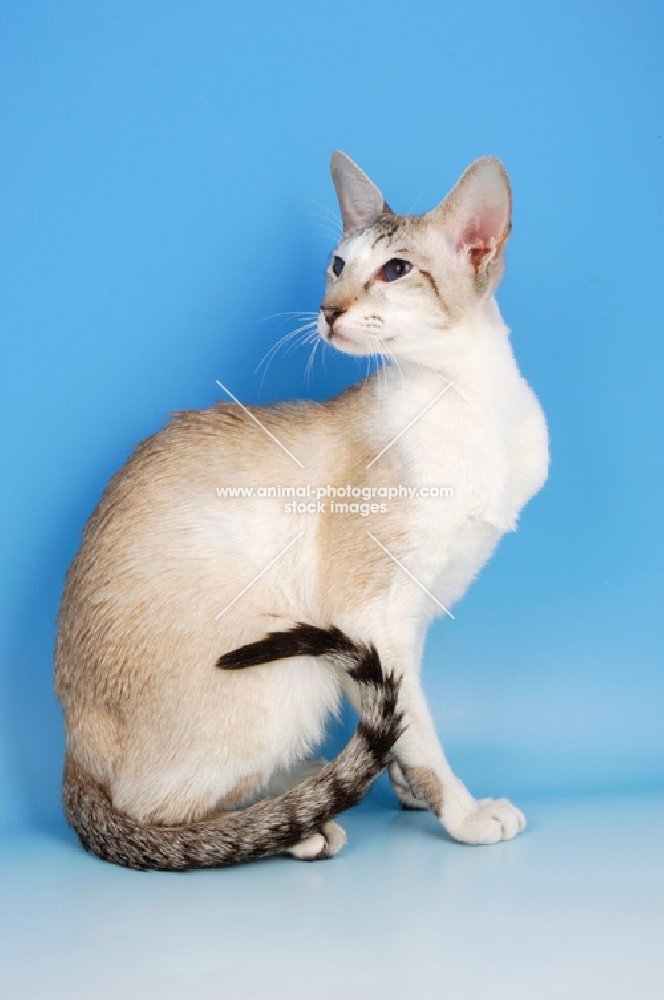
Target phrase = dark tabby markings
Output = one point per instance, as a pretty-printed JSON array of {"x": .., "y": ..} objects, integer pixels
[
  {"x": 426, "y": 786},
  {"x": 266, "y": 828},
  {"x": 386, "y": 226},
  {"x": 301, "y": 640},
  {"x": 432, "y": 281}
]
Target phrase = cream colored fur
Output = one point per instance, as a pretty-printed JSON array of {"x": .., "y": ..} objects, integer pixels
[{"x": 147, "y": 713}]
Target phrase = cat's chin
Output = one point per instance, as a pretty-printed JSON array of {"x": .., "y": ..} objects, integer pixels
[
  {"x": 349, "y": 345},
  {"x": 361, "y": 346}
]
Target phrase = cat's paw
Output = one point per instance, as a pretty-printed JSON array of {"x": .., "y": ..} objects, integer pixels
[
  {"x": 335, "y": 836},
  {"x": 486, "y": 821},
  {"x": 324, "y": 844},
  {"x": 402, "y": 789}
]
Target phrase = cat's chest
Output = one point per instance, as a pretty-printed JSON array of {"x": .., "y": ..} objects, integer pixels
[{"x": 470, "y": 459}]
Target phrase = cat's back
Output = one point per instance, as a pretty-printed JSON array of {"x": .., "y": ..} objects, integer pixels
[
  {"x": 157, "y": 559},
  {"x": 172, "y": 471}
]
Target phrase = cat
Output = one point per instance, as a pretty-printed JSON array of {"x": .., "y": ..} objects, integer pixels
[{"x": 205, "y": 638}]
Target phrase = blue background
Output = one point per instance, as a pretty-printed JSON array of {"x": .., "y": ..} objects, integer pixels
[{"x": 165, "y": 195}]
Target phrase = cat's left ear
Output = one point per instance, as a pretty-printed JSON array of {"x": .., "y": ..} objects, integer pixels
[
  {"x": 360, "y": 200},
  {"x": 477, "y": 214}
]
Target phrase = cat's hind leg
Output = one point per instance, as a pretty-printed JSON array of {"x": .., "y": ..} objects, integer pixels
[{"x": 402, "y": 788}]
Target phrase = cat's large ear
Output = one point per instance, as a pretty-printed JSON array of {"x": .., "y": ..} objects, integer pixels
[
  {"x": 360, "y": 200},
  {"x": 477, "y": 213}
]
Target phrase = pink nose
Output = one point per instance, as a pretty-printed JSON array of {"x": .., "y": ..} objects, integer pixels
[{"x": 331, "y": 313}]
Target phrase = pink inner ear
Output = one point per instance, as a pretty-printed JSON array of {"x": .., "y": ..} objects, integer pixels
[
  {"x": 479, "y": 237},
  {"x": 476, "y": 254}
]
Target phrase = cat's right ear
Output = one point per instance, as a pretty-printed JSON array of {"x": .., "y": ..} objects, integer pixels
[{"x": 360, "y": 200}]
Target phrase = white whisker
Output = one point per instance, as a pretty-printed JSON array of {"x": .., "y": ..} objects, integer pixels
[
  {"x": 302, "y": 341},
  {"x": 267, "y": 357},
  {"x": 304, "y": 334},
  {"x": 310, "y": 363},
  {"x": 299, "y": 313},
  {"x": 393, "y": 359},
  {"x": 333, "y": 223},
  {"x": 332, "y": 215}
]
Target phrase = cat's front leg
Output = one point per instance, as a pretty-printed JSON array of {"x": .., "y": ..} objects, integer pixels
[
  {"x": 431, "y": 781},
  {"x": 423, "y": 779}
]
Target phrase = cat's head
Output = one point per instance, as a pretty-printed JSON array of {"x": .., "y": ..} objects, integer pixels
[{"x": 401, "y": 284}]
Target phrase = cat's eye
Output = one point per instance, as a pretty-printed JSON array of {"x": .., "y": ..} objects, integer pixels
[
  {"x": 338, "y": 265},
  {"x": 395, "y": 268}
]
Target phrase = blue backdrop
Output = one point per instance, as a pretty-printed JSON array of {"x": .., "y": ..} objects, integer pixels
[{"x": 165, "y": 197}]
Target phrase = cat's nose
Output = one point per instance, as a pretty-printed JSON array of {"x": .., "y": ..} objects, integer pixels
[{"x": 331, "y": 313}]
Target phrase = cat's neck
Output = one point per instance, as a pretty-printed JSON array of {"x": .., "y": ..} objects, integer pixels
[{"x": 475, "y": 355}]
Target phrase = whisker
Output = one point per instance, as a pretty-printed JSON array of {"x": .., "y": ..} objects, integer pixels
[
  {"x": 300, "y": 313},
  {"x": 310, "y": 363},
  {"x": 333, "y": 222},
  {"x": 331, "y": 239},
  {"x": 267, "y": 357},
  {"x": 333, "y": 216},
  {"x": 306, "y": 328},
  {"x": 393, "y": 359},
  {"x": 302, "y": 341},
  {"x": 371, "y": 357},
  {"x": 410, "y": 210},
  {"x": 323, "y": 353}
]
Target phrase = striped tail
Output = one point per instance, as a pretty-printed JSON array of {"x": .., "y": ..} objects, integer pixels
[{"x": 270, "y": 827}]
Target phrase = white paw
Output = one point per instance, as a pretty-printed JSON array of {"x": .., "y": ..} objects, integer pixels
[
  {"x": 335, "y": 836},
  {"x": 486, "y": 821},
  {"x": 321, "y": 845},
  {"x": 310, "y": 849}
]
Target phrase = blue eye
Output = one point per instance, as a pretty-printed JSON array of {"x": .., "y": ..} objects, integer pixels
[
  {"x": 395, "y": 268},
  {"x": 338, "y": 265}
]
